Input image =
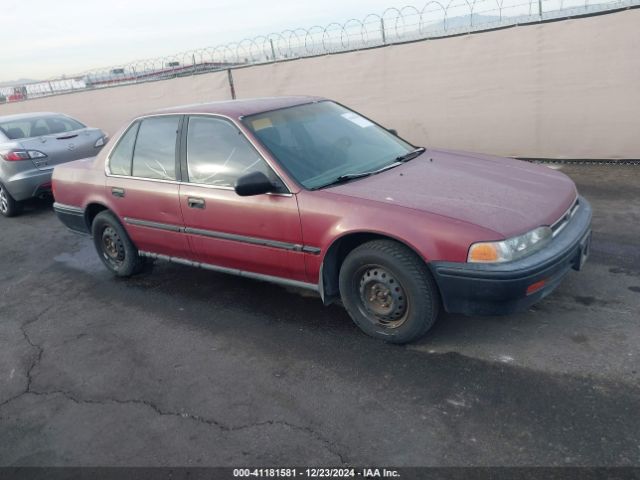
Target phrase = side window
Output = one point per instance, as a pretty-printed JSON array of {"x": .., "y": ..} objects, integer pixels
[
  {"x": 16, "y": 130},
  {"x": 218, "y": 153},
  {"x": 120, "y": 159},
  {"x": 154, "y": 154}
]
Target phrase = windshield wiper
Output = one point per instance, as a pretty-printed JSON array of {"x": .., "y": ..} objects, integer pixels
[
  {"x": 352, "y": 176},
  {"x": 398, "y": 161},
  {"x": 411, "y": 155},
  {"x": 343, "y": 179}
]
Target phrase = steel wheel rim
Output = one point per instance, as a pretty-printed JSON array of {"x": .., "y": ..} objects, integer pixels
[
  {"x": 382, "y": 298},
  {"x": 112, "y": 247},
  {"x": 4, "y": 201}
]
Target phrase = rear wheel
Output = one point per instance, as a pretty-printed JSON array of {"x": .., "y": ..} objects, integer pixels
[
  {"x": 388, "y": 291},
  {"x": 114, "y": 247},
  {"x": 8, "y": 206}
]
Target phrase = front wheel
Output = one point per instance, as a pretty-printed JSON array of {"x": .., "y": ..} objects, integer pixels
[
  {"x": 388, "y": 291},
  {"x": 115, "y": 248},
  {"x": 9, "y": 207}
]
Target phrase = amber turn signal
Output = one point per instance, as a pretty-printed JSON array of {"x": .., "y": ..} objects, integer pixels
[{"x": 483, "y": 252}]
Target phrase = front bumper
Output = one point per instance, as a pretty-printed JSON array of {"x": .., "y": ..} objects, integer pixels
[{"x": 498, "y": 289}]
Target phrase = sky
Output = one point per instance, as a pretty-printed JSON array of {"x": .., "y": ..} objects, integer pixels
[{"x": 42, "y": 39}]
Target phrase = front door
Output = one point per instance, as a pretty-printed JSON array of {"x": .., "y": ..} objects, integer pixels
[{"x": 259, "y": 234}]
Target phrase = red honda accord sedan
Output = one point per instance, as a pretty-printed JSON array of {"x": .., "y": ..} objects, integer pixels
[{"x": 303, "y": 191}]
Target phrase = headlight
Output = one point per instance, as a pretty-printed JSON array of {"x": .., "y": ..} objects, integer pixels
[
  {"x": 100, "y": 142},
  {"x": 510, "y": 249}
]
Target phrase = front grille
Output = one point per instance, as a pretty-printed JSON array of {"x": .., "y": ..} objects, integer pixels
[{"x": 562, "y": 222}]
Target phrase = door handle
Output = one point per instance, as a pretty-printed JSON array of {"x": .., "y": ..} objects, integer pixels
[
  {"x": 117, "y": 192},
  {"x": 195, "y": 202}
]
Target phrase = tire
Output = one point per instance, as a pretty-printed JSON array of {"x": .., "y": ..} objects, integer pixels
[
  {"x": 388, "y": 291},
  {"x": 9, "y": 207},
  {"x": 114, "y": 247}
]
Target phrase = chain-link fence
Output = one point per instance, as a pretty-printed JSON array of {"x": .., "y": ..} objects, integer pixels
[{"x": 434, "y": 19}]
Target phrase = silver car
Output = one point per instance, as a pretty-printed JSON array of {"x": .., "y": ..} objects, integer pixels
[{"x": 31, "y": 144}]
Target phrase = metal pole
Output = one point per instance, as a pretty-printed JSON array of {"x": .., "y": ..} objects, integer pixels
[
  {"x": 384, "y": 37},
  {"x": 231, "y": 86},
  {"x": 193, "y": 58},
  {"x": 540, "y": 9},
  {"x": 273, "y": 50}
]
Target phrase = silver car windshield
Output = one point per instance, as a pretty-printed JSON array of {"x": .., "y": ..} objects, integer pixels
[
  {"x": 16, "y": 129},
  {"x": 318, "y": 143}
]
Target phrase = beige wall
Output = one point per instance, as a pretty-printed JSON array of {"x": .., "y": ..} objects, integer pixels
[
  {"x": 110, "y": 108},
  {"x": 568, "y": 89}
]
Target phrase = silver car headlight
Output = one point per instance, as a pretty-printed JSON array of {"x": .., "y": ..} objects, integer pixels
[{"x": 511, "y": 248}]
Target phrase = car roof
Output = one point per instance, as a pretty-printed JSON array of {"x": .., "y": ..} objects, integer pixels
[
  {"x": 240, "y": 108},
  {"x": 27, "y": 116}
]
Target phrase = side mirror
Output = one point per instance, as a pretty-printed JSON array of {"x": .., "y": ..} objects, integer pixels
[
  {"x": 254, "y": 183},
  {"x": 393, "y": 131}
]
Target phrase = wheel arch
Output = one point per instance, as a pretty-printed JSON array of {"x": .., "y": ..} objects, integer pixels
[
  {"x": 338, "y": 251},
  {"x": 90, "y": 212}
]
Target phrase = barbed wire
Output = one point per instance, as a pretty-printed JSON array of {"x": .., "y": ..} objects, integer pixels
[{"x": 436, "y": 18}]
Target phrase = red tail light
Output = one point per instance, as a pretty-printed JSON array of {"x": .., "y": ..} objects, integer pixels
[{"x": 16, "y": 155}]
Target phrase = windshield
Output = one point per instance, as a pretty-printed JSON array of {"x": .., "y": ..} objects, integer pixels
[
  {"x": 320, "y": 142},
  {"x": 38, "y": 126}
]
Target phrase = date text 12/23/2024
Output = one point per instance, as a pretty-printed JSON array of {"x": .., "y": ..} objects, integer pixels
[{"x": 315, "y": 473}]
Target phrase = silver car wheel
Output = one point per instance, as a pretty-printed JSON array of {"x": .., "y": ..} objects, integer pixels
[{"x": 4, "y": 200}]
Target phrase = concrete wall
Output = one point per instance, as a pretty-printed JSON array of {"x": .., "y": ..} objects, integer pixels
[
  {"x": 110, "y": 108},
  {"x": 566, "y": 89}
]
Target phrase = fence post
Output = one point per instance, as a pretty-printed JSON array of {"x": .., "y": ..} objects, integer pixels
[
  {"x": 540, "y": 9},
  {"x": 231, "y": 86},
  {"x": 273, "y": 50},
  {"x": 384, "y": 37}
]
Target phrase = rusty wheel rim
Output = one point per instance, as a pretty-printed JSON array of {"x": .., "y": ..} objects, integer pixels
[
  {"x": 382, "y": 297},
  {"x": 112, "y": 247}
]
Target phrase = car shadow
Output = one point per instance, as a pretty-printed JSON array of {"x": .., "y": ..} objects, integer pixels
[
  {"x": 37, "y": 206},
  {"x": 293, "y": 306},
  {"x": 561, "y": 334}
]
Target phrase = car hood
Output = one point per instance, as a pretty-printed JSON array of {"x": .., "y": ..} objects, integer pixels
[{"x": 507, "y": 196}]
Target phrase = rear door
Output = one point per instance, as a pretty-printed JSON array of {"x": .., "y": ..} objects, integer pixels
[
  {"x": 259, "y": 234},
  {"x": 143, "y": 188},
  {"x": 61, "y": 139}
]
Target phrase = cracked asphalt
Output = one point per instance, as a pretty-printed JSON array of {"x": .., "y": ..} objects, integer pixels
[{"x": 183, "y": 367}]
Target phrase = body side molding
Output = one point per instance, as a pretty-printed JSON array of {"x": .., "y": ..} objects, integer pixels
[
  {"x": 295, "y": 247},
  {"x": 232, "y": 271}
]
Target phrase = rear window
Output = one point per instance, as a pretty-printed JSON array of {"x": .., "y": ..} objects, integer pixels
[
  {"x": 120, "y": 159},
  {"x": 39, "y": 126},
  {"x": 154, "y": 154}
]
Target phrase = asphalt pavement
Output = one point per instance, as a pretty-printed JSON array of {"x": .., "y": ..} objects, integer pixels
[{"x": 179, "y": 366}]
